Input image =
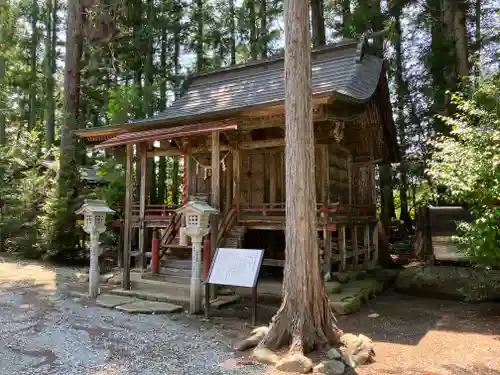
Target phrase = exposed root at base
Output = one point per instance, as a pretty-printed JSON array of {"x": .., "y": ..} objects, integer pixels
[{"x": 304, "y": 330}]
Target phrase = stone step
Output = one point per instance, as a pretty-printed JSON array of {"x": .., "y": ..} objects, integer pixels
[
  {"x": 170, "y": 278},
  {"x": 171, "y": 296},
  {"x": 184, "y": 264},
  {"x": 134, "y": 305}
]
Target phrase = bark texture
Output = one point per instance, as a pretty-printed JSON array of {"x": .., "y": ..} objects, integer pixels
[
  {"x": 74, "y": 43},
  {"x": 304, "y": 320},
  {"x": 3, "y": 135},
  {"x": 318, "y": 23}
]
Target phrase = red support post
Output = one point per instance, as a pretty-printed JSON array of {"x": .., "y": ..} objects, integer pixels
[
  {"x": 184, "y": 178},
  {"x": 155, "y": 254},
  {"x": 206, "y": 258}
]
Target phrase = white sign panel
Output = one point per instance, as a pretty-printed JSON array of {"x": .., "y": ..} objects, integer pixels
[{"x": 236, "y": 267}]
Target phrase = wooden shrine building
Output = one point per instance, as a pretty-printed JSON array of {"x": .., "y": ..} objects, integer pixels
[{"x": 228, "y": 131}]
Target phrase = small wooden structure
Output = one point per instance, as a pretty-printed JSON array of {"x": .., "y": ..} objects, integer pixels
[
  {"x": 436, "y": 227},
  {"x": 228, "y": 131}
]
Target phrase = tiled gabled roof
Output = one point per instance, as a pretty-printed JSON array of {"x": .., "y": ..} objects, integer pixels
[{"x": 337, "y": 70}]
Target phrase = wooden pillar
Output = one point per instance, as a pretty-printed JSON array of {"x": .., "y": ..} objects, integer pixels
[
  {"x": 375, "y": 243},
  {"x": 127, "y": 238},
  {"x": 342, "y": 247},
  {"x": 272, "y": 177},
  {"x": 354, "y": 245},
  {"x": 367, "y": 245},
  {"x": 186, "y": 175},
  {"x": 236, "y": 176},
  {"x": 143, "y": 191},
  {"x": 349, "y": 179},
  {"x": 215, "y": 196},
  {"x": 327, "y": 248},
  {"x": 326, "y": 175},
  {"x": 229, "y": 183},
  {"x": 215, "y": 187}
]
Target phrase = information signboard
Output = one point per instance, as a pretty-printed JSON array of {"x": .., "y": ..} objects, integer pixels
[{"x": 236, "y": 267}]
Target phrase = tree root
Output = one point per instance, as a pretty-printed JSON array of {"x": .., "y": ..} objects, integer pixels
[{"x": 304, "y": 330}]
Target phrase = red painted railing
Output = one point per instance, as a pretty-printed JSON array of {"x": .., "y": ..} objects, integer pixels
[
  {"x": 154, "y": 211},
  {"x": 226, "y": 225},
  {"x": 276, "y": 211}
]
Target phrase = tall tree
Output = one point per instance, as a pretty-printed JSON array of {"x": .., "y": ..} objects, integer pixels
[
  {"x": 162, "y": 162},
  {"x": 263, "y": 29},
  {"x": 3, "y": 136},
  {"x": 252, "y": 20},
  {"x": 50, "y": 70},
  {"x": 232, "y": 32},
  {"x": 401, "y": 92},
  {"x": 200, "y": 56},
  {"x": 305, "y": 318},
  {"x": 345, "y": 7},
  {"x": 318, "y": 23},
  {"x": 33, "y": 65},
  {"x": 148, "y": 98}
]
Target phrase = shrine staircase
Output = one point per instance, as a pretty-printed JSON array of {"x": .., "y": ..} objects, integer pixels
[{"x": 175, "y": 259}]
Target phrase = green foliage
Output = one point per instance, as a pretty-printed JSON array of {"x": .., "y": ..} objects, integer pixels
[
  {"x": 23, "y": 187},
  {"x": 112, "y": 187},
  {"x": 467, "y": 165}
]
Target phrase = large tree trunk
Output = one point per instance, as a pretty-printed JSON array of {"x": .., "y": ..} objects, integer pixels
[
  {"x": 199, "y": 37},
  {"x": 346, "y": 18},
  {"x": 50, "y": 70},
  {"x": 68, "y": 176},
  {"x": 162, "y": 163},
  {"x": 253, "y": 29},
  {"x": 33, "y": 66},
  {"x": 401, "y": 95},
  {"x": 318, "y": 23},
  {"x": 74, "y": 44},
  {"x": 263, "y": 28},
  {"x": 305, "y": 319},
  {"x": 477, "y": 37},
  {"x": 148, "y": 92},
  {"x": 461, "y": 39},
  {"x": 3, "y": 135},
  {"x": 232, "y": 32}
]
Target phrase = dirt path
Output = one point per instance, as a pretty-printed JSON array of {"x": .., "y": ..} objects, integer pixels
[
  {"x": 416, "y": 336},
  {"x": 45, "y": 328}
]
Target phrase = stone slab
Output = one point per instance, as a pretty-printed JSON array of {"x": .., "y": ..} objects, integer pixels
[
  {"x": 348, "y": 305},
  {"x": 353, "y": 295},
  {"x": 149, "y": 307},
  {"x": 222, "y": 301},
  {"x": 110, "y": 300},
  {"x": 152, "y": 296}
]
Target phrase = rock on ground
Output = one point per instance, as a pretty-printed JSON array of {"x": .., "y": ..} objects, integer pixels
[
  {"x": 266, "y": 356},
  {"x": 333, "y": 354},
  {"x": 357, "y": 350},
  {"x": 332, "y": 367},
  {"x": 295, "y": 363},
  {"x": 253, "y": 340}
]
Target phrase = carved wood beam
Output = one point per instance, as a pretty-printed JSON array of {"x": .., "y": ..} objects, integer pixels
[{"x": 320, "y": 113}]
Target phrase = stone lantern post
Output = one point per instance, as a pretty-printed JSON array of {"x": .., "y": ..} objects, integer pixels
[
  {"x": 197, "y": 214},
  {"x": 94, "y": 213}
]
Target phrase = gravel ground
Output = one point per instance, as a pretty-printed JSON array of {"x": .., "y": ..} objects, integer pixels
[{"x": 47, "y": 328}]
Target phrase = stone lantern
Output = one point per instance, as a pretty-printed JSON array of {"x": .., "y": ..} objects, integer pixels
[
  {"x": 94, "y": 213},
  {"x": 197, "y": 214}
]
